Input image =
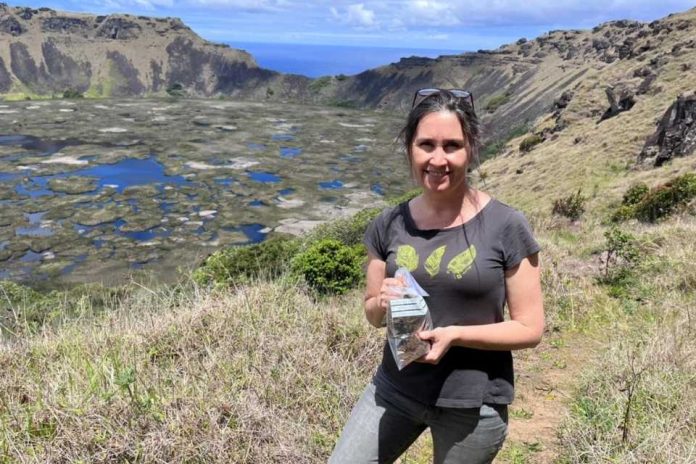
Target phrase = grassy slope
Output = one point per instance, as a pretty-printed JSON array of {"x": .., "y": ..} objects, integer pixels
[{"x": 266, "y": 374}]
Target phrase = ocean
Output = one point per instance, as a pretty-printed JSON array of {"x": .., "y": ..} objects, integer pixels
[{"x": 324, "y": 60}]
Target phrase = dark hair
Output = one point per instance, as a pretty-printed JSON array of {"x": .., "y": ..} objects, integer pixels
[{"x": 443, "y": 100}]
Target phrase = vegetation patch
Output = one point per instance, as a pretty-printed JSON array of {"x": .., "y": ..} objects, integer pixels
[
  {"x": 571, "y": 206},
  {"x": 496, "y": 101},
  {"x": 651, "y": 205},
  {"x": 320, "y": 83},
  {"x": 72, "y": 93},
  {"x": 242, "y": 264},
  {"x": 494, "y": 148},
  {"x": 330, "y": 267},
  {"x": 530, "y": 142}
]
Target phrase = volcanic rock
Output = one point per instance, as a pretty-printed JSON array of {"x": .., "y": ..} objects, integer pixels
[{"x": 675, "y": 135}]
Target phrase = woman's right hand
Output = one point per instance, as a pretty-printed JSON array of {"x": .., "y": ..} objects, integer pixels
[{"x": 391, "y": 289}]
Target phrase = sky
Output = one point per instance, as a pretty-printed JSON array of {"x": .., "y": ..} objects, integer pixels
[{"x": 435, "y": 24}]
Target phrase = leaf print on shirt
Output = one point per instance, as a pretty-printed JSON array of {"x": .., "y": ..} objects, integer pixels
[
  {"x": 406, "y": 256},
  {"x": 461, "y": 263},
  {"x": 432, "y": 264}
]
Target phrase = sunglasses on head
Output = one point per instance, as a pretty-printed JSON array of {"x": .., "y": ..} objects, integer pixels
[{"x": 422, "y": 94}]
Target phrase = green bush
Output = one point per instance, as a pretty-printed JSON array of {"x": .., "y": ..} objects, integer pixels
[
  {"x": 635, "y": 194},
  {"x": 621, "y": 254},
  {"x": 176, "y": 90},
  {"x": 496, "y": 102},
  {"x": 330, "y": 267},
  {"x": 650, "y": 205},
  {"x": 243, "y": 263},
  {"x": 319, "y": 83},
  {"x": 571, "y": 206},
  {"x": 349, "y": 231},
  {"x": 666, "y": 199},
  {"x": 338, "y": 103},
  {"x": 530, "y": 142},
  {"x": 72, "y": 93}
]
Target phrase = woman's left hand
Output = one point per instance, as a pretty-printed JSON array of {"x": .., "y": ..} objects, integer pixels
[{"x": 440, "y": 340}]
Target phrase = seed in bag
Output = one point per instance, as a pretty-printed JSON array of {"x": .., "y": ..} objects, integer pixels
[{"x": 405, "y": 318}]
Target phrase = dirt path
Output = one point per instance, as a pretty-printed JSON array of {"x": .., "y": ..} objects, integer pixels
[{"x": 546, "y": 378}]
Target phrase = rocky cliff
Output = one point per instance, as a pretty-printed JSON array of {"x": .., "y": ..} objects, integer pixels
[
  {"x": 44, "y": 52},
  {"x": 518, "y": 82}
]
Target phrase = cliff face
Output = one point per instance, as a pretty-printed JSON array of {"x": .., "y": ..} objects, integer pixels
[
  {"x": 516, "y": 83},
  {"x": 45, "y": 52}
]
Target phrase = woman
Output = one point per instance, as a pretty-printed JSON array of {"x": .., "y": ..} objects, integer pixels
[{"x": 473, "y": 255}]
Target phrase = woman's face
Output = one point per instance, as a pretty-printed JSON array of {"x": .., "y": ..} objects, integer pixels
[{"x": 440, "y": 153}]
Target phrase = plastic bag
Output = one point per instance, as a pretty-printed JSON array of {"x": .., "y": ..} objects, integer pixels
[{"x": 405, "y": 318}]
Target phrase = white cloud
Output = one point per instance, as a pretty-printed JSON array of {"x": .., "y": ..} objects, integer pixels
[{"x": 355, "y": 15}]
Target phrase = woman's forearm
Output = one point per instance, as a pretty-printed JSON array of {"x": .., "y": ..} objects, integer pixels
[
  {"x": 507, "y": 335},
  {"x": 374, "y": 313}
]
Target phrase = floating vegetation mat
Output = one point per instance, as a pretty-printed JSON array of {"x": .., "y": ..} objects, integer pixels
[{"x": 113, "y": 186}]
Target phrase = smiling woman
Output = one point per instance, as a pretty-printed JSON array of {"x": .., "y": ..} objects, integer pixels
[{"x": 472, "y": 255}]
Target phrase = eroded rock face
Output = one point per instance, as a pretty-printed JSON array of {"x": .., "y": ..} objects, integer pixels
[
  {"x": 65, "y": 72},
  {"x": 10, "y": 25},
  {"x": 5, "y": 78},
  {"x": 25, "y": 68},
  {"x": 65, "y": 24},
  {"x": 129, "y": 82},
  {"x": 117, "y": 28},
  {"x": 624, "y": 102},
  {"x": 675, "y": 135}
]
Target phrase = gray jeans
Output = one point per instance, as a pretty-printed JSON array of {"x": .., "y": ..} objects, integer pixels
[{"x": 381, "y": 428}]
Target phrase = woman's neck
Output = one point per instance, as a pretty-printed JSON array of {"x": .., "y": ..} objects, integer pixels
[
  {"x": 435, "y": 211},
  {"x": 442, "y": 203}
]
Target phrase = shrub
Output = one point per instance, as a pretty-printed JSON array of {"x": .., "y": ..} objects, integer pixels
[
  {"x": 635, "y": 194},
  {"x": 338, "y": 103},
  {"x": 243, "y": 263},
  {"x": 620, "y": 255},
  {"x": 530, "y": 142},
  {"x": 176, "y": 90},
  {"x": 349, "y": 231},
  {"x": 72, "y": 93},
  {"x": 650, "y": 205},
  {"x": 319, "y": 83},
  {"x": 666, "y": 199},
  {"x": 496, "y": 102},
  {"x": 571, "y": 206},
  {"x": 330, "y": 267}
]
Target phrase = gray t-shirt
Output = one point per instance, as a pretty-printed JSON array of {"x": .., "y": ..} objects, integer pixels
[{"x": 462, "y": 268}]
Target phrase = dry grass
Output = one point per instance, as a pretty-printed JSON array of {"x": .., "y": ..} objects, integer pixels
[
  {"x": 263, "y": 374},
  {"x": 636, "y": 405}
]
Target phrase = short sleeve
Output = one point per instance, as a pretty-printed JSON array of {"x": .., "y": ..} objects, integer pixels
[
  {"x": 376, "y": 233},
  {"x": 517, "y": 240}
]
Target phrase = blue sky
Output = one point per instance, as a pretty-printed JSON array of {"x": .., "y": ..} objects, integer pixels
[{"x": 435, "y": 24}]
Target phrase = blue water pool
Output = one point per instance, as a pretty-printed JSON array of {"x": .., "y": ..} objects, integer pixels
[
  {"x": 290, "y": 152},
  {"x": 126, "y": 173},
  {"x": 264, "y": 177},
  {"x": 331, "y": 185},
  {"x": 282, "y": 137},
  {"x": 377, "y": 188}
]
